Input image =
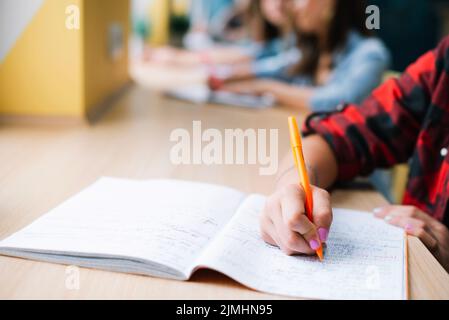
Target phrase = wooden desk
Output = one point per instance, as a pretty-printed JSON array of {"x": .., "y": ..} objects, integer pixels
[{"x": 43, "y": 166}]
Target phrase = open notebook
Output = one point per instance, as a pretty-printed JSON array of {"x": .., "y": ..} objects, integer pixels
[
  {"x": 168, "y": 228},
  {"x": 202, "y": 94}
]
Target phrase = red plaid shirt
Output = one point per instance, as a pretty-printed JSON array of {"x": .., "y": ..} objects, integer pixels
[{"x": 406, "y": 118}]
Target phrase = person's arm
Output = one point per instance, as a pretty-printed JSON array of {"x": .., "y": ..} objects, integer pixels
[
  {"x": 225, "y": 55},
  {"x": 284, "y": 93},
  {"x": 290, "y": 95},
  {"x": 267, "y": 67},
  {"x": 320, "y": 161},
  {"x": 362, "y": 75},
  {"x": 223, "y": 74},
  {"x": 186, "y": 58},
  {"x": 339, "y": 146}
]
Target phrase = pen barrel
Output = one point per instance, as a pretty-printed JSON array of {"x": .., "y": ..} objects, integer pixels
[
  {"x": 296, "y": 143},
  {"x": 309, "y": 207},
  {"x": 305, "y": 183}
]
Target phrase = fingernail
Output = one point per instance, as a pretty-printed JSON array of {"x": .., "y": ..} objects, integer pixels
[
  {"x": 388, "y": 218},
  {"x": 408, "y": 227},
  {"x": 314, "y": 244},
  {"x": 323, "y": 233},
  {"x": 377, "y": 210}
]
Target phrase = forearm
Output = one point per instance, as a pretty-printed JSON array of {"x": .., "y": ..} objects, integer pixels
[
  {"x": 320, "y": 160},
  {"x": 292, "y": 96},
  {"x": 239, "y": 72},
  {"x": 222, "y": 56}
]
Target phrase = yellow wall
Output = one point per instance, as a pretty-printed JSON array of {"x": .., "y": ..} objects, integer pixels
[
  {"x": 42, "y": 74},
  {"x": 54, "y": 71},
  {"x": 102, "y": 74},
  {"x": 180, "y": 7}
]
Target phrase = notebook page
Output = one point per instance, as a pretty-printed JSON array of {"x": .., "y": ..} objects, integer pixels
[
  {"x": 198, "y": 93},
  {"x": 168, "y": 222},
  {"x": 202, "y": 94},
  {"x": 364, "y": 258}
]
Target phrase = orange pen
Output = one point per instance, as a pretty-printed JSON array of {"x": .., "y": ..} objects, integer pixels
[{"x": 298, "y": 156}]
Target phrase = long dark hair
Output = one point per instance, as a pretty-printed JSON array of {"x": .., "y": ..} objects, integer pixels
[
  {"x": 255, "y": 19},
  {"x": 348, "y": 15}
]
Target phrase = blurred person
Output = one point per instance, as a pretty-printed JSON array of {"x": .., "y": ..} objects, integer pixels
[
  {"x": 266, "y": 36},
  {"x": 272, "y": 45},
  {"x": 201, "y": 46},
  {"x": 339, "y": 60},
  {"x": 208, "y": 22}
]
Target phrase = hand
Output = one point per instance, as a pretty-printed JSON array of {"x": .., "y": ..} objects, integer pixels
[
  {"x": 284, "y": 222},
  {"x": 432, "y": 233}
]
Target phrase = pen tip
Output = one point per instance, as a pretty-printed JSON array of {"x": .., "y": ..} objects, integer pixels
[{"x": 319, "y": 253}]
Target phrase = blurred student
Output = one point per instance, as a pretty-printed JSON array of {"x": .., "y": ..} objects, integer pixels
[
  {"x": 402, "y": 119},
  {"x": 272, "y": 44},
  {"x": 266, "y": 36},
  {"x": 339, "y": 60},
  {"x": 208, "y": 21}
]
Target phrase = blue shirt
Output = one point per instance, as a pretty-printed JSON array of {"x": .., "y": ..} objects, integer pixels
[
  {"x": 211, "y": 13},
  {"x": 274, "y": 57},
  {"x": 358, "y": 70}
]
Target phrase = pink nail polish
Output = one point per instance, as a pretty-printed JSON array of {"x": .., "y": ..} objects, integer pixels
[
  {"x": 323, "y": 233},
  {"x": 408, "y": 227},
  {"x": 377, "y": 211},
  {"x": 314, "y": 244}
]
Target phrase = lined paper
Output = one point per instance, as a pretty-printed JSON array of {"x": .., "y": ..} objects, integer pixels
[
  {"x": 169, "y": 228},
  {"x": 167, "y": 222},
  {"x": 364, "y": 258}
]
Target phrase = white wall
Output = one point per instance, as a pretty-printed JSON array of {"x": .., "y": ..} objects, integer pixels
[{"x": 15, "y": 15}]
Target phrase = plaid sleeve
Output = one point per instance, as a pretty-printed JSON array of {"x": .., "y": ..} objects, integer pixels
[{"x": 383, "y": 130}]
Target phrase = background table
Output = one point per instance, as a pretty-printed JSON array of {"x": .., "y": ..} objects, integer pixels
[{"x": 41, "y": 166}]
